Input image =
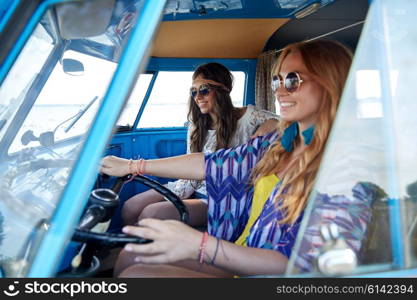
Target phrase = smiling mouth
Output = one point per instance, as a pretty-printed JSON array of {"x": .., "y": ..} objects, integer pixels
[{"x": 286, "y": 104}]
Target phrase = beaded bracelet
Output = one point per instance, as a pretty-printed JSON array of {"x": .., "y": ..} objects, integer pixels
[
  {"x": 130, "y": 163},
  {"x": 139, "y": 166}
]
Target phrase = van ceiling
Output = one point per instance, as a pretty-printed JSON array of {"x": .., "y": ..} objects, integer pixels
[
  {"x": 335, "y": 16},
  {"x": 220, "y": 38}
]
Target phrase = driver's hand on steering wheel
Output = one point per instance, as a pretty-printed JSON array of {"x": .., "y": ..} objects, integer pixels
[
  {"x": 115, "y": 166},
  {"x": 172, "y": 241}
]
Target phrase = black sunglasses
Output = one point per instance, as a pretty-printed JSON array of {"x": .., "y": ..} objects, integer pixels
[
  {"x": 291, "y": 82},
  {"x": 203, "y": 90}
]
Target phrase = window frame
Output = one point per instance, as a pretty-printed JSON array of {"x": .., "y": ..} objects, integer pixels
[{"x": 147, "y": 100}]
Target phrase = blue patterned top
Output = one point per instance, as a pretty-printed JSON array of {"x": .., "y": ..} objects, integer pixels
[{"x": 230, "y": 197}]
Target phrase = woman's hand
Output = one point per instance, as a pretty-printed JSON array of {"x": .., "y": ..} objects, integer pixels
[
  {"x": 266, "y": 127},
  {"x": 172, "y": 241},
  {"x": 115, "y": 166}
]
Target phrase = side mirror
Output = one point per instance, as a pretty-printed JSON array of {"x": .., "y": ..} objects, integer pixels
[
  {"x": 72, "y": 67},
  {"x": 28, "y": 137},
  {"x": 46, "y": 139}
]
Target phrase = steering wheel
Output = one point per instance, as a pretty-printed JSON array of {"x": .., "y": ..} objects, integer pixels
[{"x": 111, "y": 240}]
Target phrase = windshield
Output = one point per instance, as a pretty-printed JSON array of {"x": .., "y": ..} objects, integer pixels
[
  {"x": 48, "y": 102},
  {"x": 16, "y": 86}
]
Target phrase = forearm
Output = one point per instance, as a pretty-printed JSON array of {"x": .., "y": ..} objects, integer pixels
[
  {"x": 174, "y": 241},
  {"x": 189, "y": 166},
  {"x": 244, "y": 261}
]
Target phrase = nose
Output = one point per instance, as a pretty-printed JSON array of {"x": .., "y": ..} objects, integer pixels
[
  {"x": 198, "y": 96},
  {"x": 281, "y": 91}
]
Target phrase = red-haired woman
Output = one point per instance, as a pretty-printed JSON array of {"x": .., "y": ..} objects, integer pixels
[{"x": 257, "y": 192}]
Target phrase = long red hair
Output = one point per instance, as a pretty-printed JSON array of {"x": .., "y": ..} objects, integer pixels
[{"x": 328, "y": 63}]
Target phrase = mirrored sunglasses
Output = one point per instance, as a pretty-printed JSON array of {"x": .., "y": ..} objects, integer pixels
[
  {"x": 203, "y": 90},
  {"x": 291, "y": 82}
]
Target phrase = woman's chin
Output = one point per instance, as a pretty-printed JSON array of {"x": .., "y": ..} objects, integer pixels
[{"x": 287, "y": 118}]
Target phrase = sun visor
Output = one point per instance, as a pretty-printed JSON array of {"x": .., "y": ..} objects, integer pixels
[{"x": 84, "y": 19}]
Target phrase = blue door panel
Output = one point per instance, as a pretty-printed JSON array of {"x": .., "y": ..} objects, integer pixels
[
  {"x": 149, "y": 144},
  {"x": 158, "y": 143},
  {"x": 166, "y": 147}
]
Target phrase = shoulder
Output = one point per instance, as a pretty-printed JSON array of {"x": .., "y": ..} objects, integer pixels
[
  {"x": 255, "y": 116},
  {"x": 257, "y": 112},
  {"x": 250, "y": 108},
  {"x": 264, "y": 142},
  {"x": 247, "y": 112},
  {"x": 241, "y": 112}
]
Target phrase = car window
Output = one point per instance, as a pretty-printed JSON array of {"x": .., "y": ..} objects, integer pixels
[
  {"x": 362, "y": 214},
  {"x": 168, "y": 103},
  {"x": 131, "y": 109},
  {"x": 62, "y": 99}
]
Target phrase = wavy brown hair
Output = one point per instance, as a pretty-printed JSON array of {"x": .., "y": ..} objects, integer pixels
[
  {"x": 227, "y": 114},
  {"x": 328, "y": 63}
]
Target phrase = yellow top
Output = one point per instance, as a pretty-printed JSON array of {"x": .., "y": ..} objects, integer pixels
[{"x": 263, "y": 189}]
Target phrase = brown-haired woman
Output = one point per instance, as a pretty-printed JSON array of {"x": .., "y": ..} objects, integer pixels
[
  {"x": 257, "y": 191},
  {"x": 214, "y": 124}
]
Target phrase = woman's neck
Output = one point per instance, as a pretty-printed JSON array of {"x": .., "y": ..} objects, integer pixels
[
  {"x": 240, "y": 111},
  {"x": 214, "y": 120}
]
